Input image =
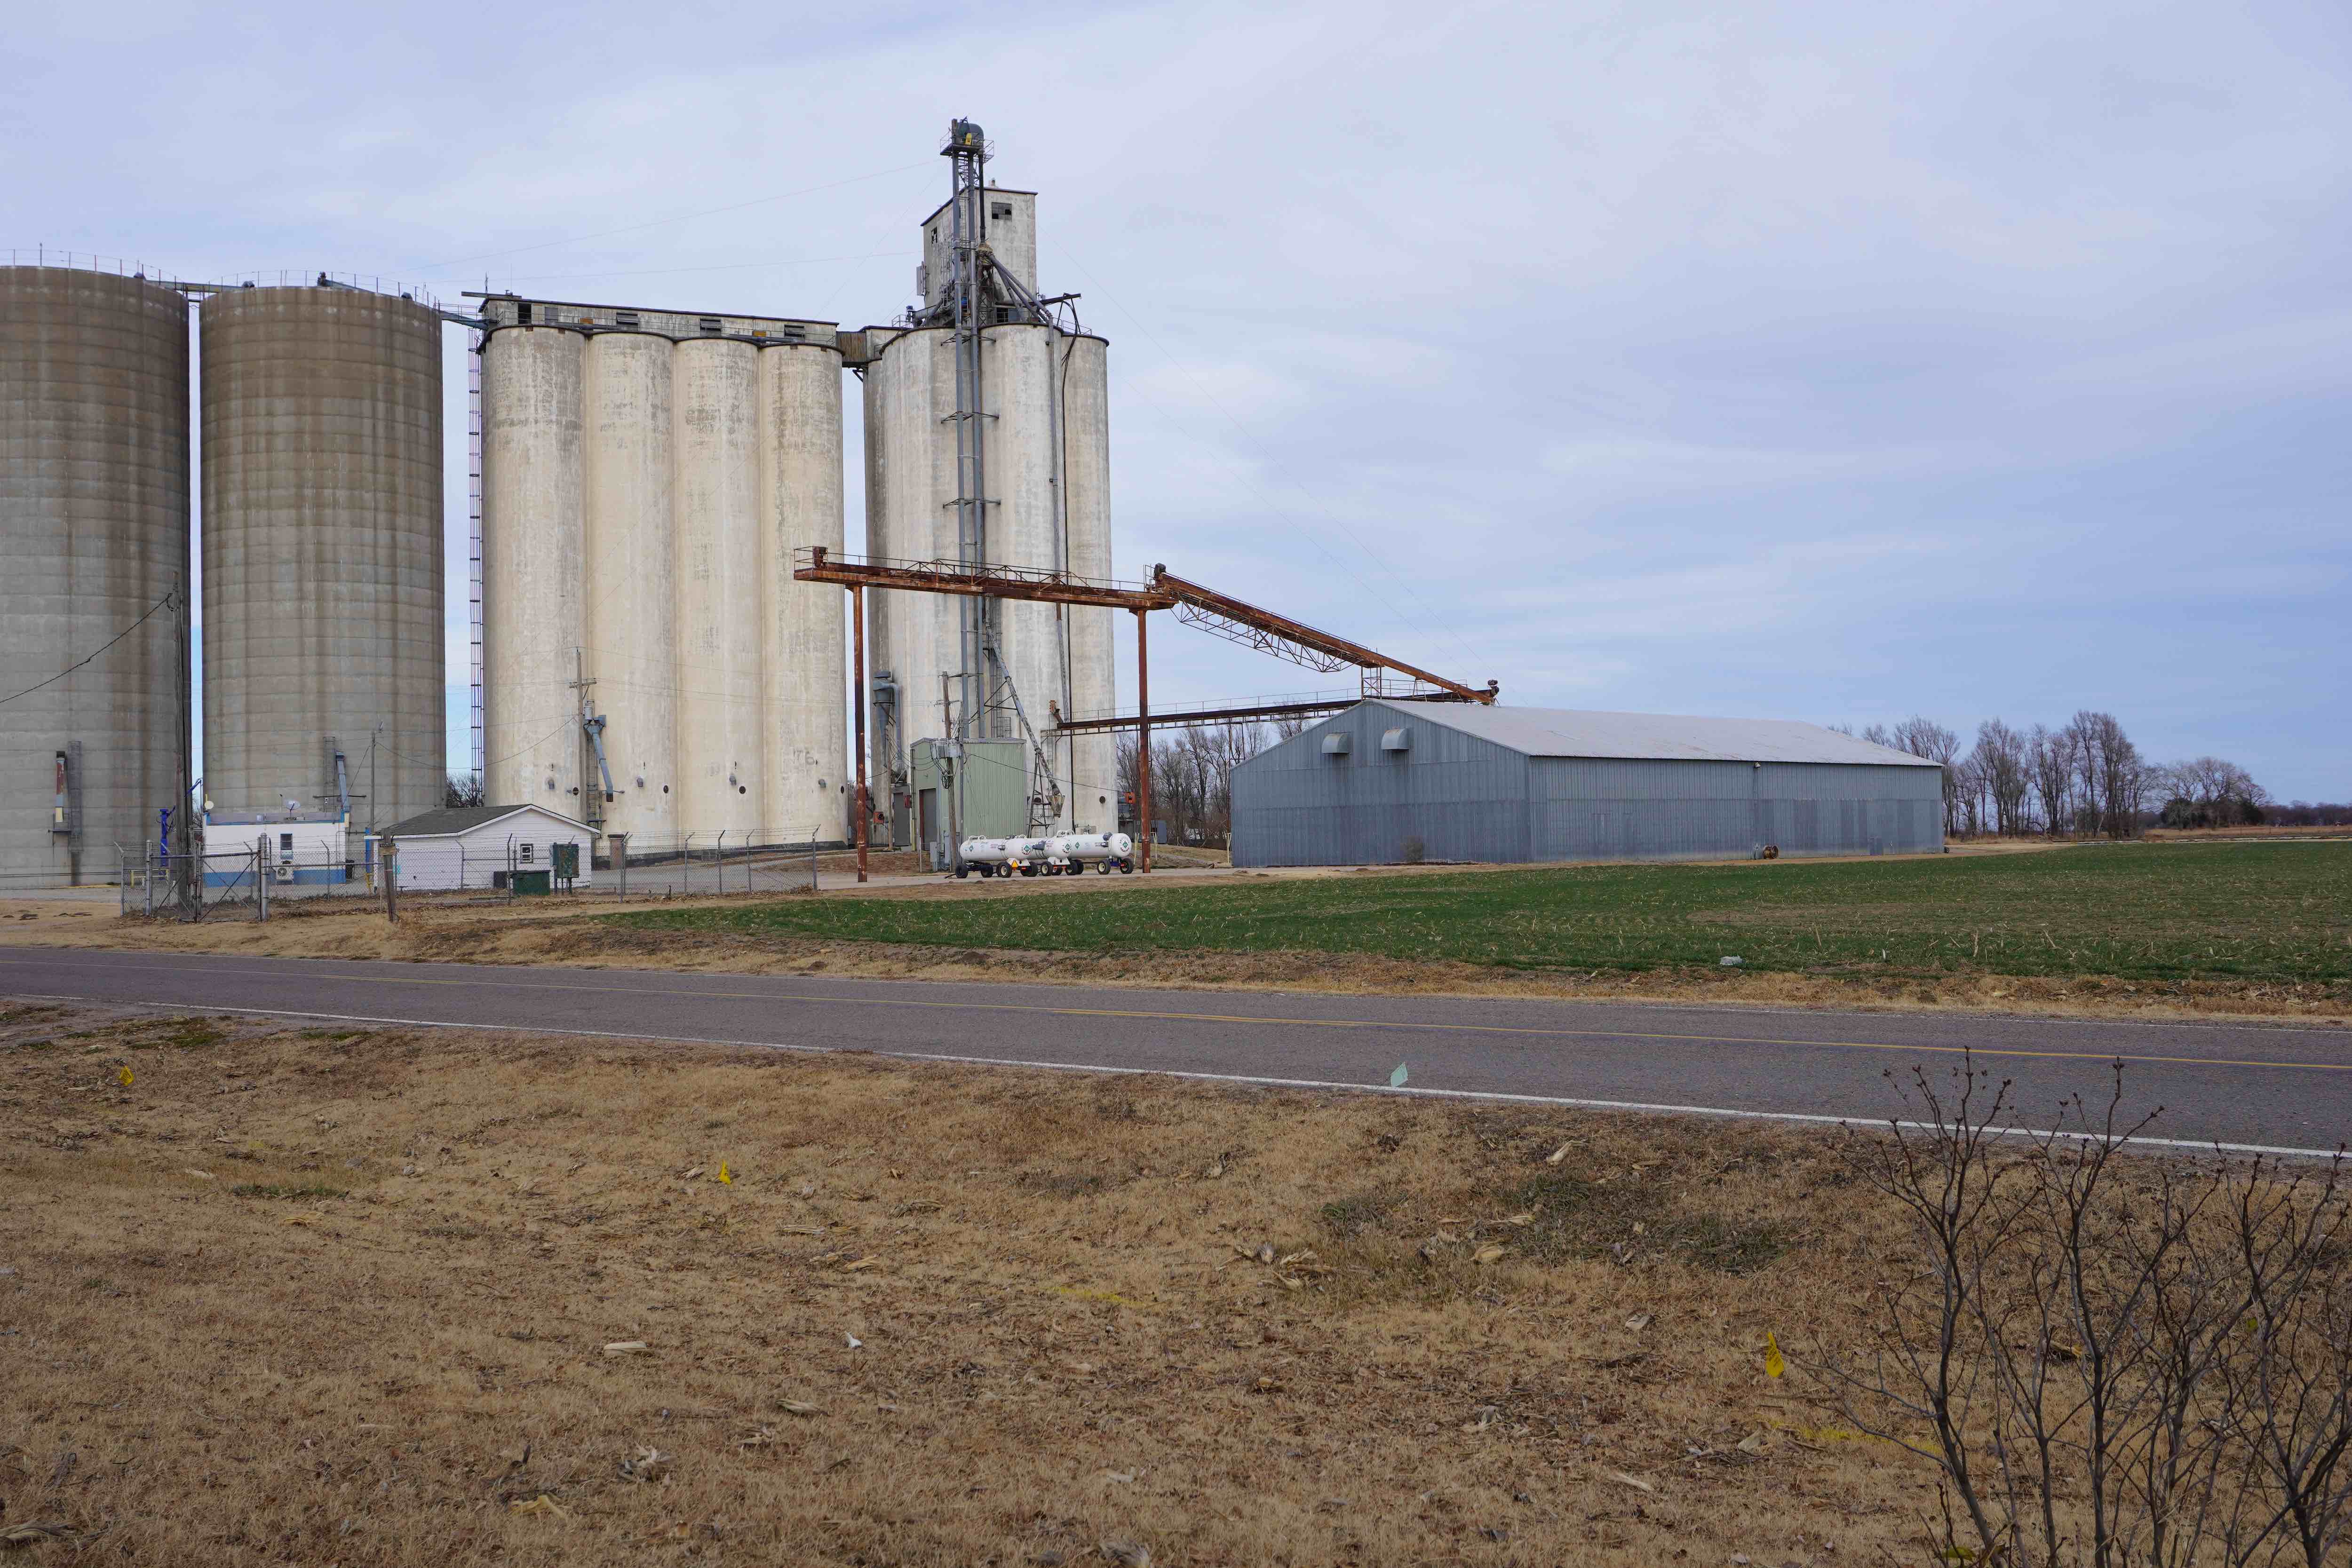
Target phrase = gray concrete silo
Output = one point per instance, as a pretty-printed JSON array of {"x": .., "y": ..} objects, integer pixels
[
  {"x": 715, "y": 505},
  {"x": 647, "y": 476},
  {"x": 93, "y": 534},
  {"x": 532, "y": 572},
  {"x": 807, "y": 762},
  {"x": 632, "y": 614},
  {"x": 323, "y": 555}
]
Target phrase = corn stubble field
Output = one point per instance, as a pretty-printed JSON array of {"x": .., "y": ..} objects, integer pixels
[{"x": 302, "y": 1296}]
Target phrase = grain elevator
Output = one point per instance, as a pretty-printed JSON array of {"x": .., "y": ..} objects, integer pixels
[{"x": 987, "y": 440}]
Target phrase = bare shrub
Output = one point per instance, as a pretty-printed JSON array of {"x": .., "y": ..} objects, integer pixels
[{"x": 2113, "y": 1359}]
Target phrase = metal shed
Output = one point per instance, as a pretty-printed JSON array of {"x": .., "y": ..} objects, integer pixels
[
  {"x": 483, "y": 846},
  {"x": 1389, "y": 782}
]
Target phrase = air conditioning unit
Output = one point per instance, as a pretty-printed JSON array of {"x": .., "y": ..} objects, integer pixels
[{"x": 286, "y": 871}]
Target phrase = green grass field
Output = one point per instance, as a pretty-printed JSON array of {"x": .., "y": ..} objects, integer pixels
[{"x": 2258, "y": 912}]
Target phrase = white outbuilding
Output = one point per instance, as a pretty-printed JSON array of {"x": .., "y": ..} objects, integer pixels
[{"x": 485, "y": 846}]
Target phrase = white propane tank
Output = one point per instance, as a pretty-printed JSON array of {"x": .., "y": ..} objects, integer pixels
[
  {"x": 986, "y": 851},
  {"x": 1102, "y": 850}
]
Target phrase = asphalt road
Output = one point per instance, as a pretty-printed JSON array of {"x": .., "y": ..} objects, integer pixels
[{"x": 2251, "y": 1085}]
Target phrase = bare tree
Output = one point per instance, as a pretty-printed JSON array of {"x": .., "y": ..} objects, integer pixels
[
  {"x": 2113, "y": 776},
  {"x": 1925, "y": 738},
  {"x": 2050, "y": 760},
  {"x": 2113, "y": 1363},
  {"x": 2208, "y": 792},
  {"x": 1998, "y": 758}
]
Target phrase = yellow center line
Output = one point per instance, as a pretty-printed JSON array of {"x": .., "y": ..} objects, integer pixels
[{"x": 1172, "y": 1016}]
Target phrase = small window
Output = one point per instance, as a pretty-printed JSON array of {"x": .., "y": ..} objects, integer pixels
[
  {"x": 625, "y": 318},
  {"x": 713, "y": 324},
  {"x": 286, "y": 843},
  {"x": 525, "y": 855},
  {"x": 522, "y": 314},
  {"x": 935, "y": 234},
  {"x": 1000, "y": 212}
]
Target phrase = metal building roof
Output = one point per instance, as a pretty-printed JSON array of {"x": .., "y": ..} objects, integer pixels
[
  {"x": 448, "y": 820},
  {"x": 1576, "y": 732}
]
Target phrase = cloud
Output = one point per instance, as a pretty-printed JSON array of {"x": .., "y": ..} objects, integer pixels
[{"x": 1838, "y": 362}]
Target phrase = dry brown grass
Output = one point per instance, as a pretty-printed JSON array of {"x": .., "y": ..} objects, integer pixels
[{"x": 325, "y": 1296}]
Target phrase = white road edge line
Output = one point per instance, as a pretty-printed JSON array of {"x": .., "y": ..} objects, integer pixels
[{"x": 1728, "y": 1113}]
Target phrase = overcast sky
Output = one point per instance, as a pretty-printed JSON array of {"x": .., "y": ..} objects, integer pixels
[{"x": 1838, "y": 363}]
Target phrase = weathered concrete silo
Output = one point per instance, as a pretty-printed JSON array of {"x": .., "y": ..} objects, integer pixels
[
  {"x": 93, "y": 534},
  {"x": 1031, "y": 430},
  {"x": 715, "y": 505},
  {"x": 323, "y": 557},
  {"x": 632, "y": 617},
  {"x": 807, "y": 762},
  {"x": 532, "y": 572},
  {"x": 647, "y": 476}
]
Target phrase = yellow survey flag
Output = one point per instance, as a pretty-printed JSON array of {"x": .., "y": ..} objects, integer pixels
[
  {"x": 122, "y": 1076},
  {"x": 724, "y": 1175},
  {"x": 1775, "y": 1364}
]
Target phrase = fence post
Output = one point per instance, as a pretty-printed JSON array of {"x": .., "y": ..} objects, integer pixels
[
  {"x": 620, "y": 842},
  {"x": 388, "y": 854},
  {"x": 719, "y": 863},
  {"x": 812, "y": 860},
  {"x": 147, "y": 875},
  {"x": 261, "y": 869}
]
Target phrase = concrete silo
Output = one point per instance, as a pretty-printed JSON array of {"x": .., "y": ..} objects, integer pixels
[
  {"x": 323, "y": 557},
  {"x": 632, "y": 618},
  {"x": 647, "y": 476},
  {"x": 715, "y": 503},
  {"x": 806, "y": 768},
  {"x": 93, "y": 535},
  {"x": 987, "y": 440},
  {"x": 533, "y": 635}
]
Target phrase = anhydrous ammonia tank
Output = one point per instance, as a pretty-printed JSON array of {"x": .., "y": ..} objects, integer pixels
[
  {"x": 1094, "y": 848},
  {"x": 322, "y": 580},
  {"x": 93, "y": 532}
]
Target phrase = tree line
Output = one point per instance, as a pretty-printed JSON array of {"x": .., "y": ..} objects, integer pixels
[{"x": 2085, "y": 778}]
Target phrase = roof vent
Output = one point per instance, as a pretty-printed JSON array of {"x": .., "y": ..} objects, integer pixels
[
  {"x": 1337, "y": 742},
  {"x": 1397, "y": 739}
]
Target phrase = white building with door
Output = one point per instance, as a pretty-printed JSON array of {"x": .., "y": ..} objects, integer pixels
[{"x": 482, "y": 846}]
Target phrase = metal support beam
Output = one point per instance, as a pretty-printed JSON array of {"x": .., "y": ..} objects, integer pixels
[
  {"x": 1143, "y": 741},
  {"x": 858, "y": 644},
  {"x": 1186, "y": 717}
]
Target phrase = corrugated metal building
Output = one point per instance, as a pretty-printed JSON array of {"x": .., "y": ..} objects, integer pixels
[{"x": 1389, "y": 782}]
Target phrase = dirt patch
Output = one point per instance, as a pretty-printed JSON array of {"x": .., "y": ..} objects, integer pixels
[{"x": 438, "y": 1297}]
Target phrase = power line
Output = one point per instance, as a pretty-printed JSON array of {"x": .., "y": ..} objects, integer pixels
[{"x": 111, "y": 642}]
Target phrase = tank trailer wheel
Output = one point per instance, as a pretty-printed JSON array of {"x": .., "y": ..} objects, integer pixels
[{"x": 962, "y": 872}]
